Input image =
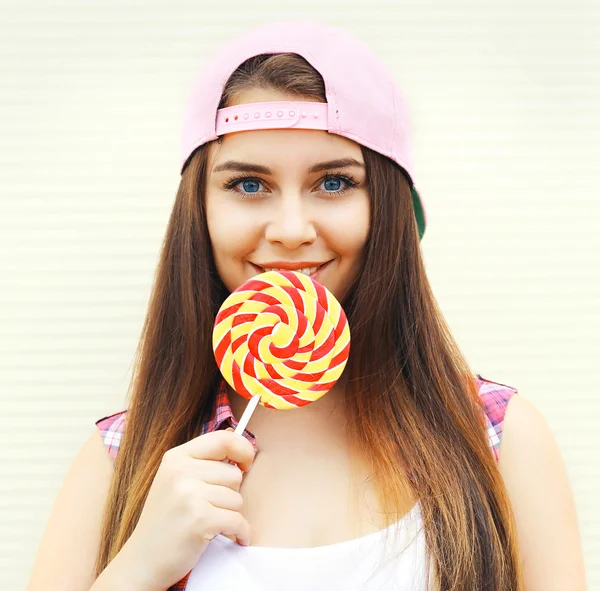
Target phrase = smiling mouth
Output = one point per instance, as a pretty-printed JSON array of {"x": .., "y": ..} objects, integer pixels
[{"x": 311, "y": 272}]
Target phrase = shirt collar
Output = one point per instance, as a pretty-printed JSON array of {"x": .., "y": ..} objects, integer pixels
[{"x": 221, "y": 416}]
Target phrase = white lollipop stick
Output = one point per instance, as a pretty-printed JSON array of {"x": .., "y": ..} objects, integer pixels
[{"x": 247, "y": 414}]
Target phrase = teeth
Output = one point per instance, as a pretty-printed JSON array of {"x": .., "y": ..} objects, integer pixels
[{"x": 307, "y": 271}]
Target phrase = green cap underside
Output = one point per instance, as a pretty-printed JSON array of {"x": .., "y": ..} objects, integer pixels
[{"x": 418, "y": 209}]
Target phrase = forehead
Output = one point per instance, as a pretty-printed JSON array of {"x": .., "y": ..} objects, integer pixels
[{"x": 283, "y": 148}]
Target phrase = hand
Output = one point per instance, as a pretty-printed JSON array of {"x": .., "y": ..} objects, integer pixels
[{"x": 194, "y": 496}]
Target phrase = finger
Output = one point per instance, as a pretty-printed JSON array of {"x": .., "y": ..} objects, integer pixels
[
  {"x": 231, "y": 523},
  {"x": 223, "y": 497},
  {"x": 221, "y": 445},
  {"x": 220, "y": 473},
  {"x": 229, "y": 461}
]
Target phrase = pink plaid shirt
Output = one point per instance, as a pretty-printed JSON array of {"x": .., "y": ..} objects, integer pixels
[{"x": 494, "y": 396}]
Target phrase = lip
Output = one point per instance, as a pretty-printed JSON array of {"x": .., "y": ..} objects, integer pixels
[{"x": 295, "y": 266}]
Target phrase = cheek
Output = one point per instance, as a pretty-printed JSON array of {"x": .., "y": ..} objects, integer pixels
[
  {"x": 232, "y": 233},
  {"x": 347, "y": 228}
]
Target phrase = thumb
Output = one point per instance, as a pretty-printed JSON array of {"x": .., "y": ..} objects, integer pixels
[{"x": 230, "y": 461}]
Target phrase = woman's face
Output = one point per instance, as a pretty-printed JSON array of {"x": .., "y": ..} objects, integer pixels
[{"x": 275, "y": 199}]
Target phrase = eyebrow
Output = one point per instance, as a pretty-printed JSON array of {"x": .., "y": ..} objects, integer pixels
[{"x": 237, "y": 166}]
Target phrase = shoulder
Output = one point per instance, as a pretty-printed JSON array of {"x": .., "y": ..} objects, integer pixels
[
  {"x": 111, "y": 430},
  {"x": 527, "y": 436},
  {"x": 528, "y": 442},
  {"x": 538, "y": 487}
]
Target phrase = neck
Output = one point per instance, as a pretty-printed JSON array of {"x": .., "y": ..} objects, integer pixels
[{"x": 326, "y": 417}]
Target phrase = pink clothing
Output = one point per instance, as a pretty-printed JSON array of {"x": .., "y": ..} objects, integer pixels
[{"x": 494, "y": 396}]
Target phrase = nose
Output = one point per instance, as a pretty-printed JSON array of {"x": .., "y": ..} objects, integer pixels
[{"x": 291, "y": 224}]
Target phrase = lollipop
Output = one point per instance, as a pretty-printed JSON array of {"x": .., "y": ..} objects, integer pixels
[{"x": 282, "y": 340}]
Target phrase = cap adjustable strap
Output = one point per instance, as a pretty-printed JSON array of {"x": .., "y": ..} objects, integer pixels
[{"x": 272, "y": 115}]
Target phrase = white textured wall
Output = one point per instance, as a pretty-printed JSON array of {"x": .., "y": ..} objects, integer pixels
[{"x": 505, "y": 97}]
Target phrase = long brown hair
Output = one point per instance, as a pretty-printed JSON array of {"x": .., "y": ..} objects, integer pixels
[{"x": 412, "y": 399}]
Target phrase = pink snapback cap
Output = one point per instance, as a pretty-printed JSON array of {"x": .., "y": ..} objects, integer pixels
[{"x": 363, "y": 104}]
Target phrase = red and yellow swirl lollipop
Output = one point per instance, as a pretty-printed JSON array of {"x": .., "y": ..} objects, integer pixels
[{"x": 281, "y": 339}]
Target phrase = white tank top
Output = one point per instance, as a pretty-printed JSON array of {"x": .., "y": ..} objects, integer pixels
[{"x": 365, "y": 563}]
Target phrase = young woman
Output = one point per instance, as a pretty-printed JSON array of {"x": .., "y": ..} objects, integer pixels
[{"x": 389, "y": 481}]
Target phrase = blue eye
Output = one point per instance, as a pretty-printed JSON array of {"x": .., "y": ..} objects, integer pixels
[
  {"x": 250, "y": 185},
  {"x": 335, "y": 181}
]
